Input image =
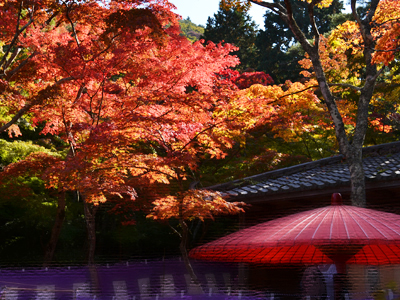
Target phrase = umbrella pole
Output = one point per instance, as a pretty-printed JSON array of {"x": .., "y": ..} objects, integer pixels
[
  {"x": 340, "y": 281},
  {"x": 340, "y": 268}
]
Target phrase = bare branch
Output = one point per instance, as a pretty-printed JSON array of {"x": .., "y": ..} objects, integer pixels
[
  {"x": 299, "y": 92},
  {"x": 27, "y": 107},
  {"x": 275, "y": 7},
  {"x": 289, "y": 9},
  {"x": 299, "y": 35},
  {"x": 105, "y": 49},
  {"x": 317, "y": 86},
  {"x": 19, "y": 67},
  {"x": 378, "y": 73},
  {"x": 365, "y": 25},
  {"x": 310, "y": 8},
  {"x": 61, "y": 81},
  {"x": 100, "y": 104},
  {"x": 52, "y": 17},
  {"x": 353, "y": 87},
  {"x": 357, "y": 18},
  {"x": 371, "y": 11},
  {"x": 16, "y": 35},
  {"x": 70, "y": 136},
  {"x": 165, "y": 144},
  {"x": 18, "y": 115},
  {"x": 174, "y": 230},
  {"x": 72, "y": 23},
  {"x": 79, "y": 94},
  {"x": 11, "y": 59}
]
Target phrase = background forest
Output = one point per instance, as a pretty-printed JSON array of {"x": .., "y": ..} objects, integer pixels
[{"x": 106, "y": 122}]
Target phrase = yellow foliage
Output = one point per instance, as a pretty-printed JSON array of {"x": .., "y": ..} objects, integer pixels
[
  {"x": 297, "y": 110},
  {"x": 239, "y": 5}
]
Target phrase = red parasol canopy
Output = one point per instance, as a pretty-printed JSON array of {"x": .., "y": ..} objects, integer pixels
[{"x": 338, "y": 234}]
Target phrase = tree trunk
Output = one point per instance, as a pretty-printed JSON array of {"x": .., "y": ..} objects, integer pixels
[
  {"x": 352, "y": 151},
  {"x": 55, "y": 233},
  {"x": 94, "y": 280},
  {"x": 185, "y": 237},
  {"x": 185, "y": 256},
  {"x": 357, "y": 177},
  {"x": 90, "y": 213}
]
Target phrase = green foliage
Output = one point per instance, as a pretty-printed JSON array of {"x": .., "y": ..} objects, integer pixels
[
  {"x": 234, "y": 26},
  {"x": 190, "y": 30},
  {"x": 281, "y": 65},
  {"x": 27, "y": 210},
  {"x": 11, "y": 152},
  {"x": 340, "y": 18},
  {"x": 27, "y": 207}
]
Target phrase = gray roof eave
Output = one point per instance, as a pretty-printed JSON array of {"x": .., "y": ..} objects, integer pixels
[{"x": 381, "y": 162}]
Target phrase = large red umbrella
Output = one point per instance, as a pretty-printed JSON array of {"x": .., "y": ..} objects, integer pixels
[{"x": 336, "y": 234}]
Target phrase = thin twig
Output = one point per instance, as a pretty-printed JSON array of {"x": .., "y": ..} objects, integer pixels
[
  {"x": 11, "y": 59},
  {"x": 346, "y": 85},
  {"x": 298, "y": 92},
  {"x": 72, "y": 23},
  {"x": 27, "y": 107},
  {"x": 19, "y": 67},
  {"x": 317, "y": 86},
  {"x": 176, "y": 231},
  {"x": 378, "y": 73},
  {"x": 16, "y": 35},
  {"x": 18, "y": 115}
]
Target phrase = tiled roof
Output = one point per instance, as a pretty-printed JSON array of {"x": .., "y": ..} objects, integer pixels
[{"x": 381, "y": 163}]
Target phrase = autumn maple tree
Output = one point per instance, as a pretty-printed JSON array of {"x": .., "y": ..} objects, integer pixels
[
  {"x": 136, "y": 104},
  {"x": 374, "y": 39},
  {"x": 57, "y": 63}
]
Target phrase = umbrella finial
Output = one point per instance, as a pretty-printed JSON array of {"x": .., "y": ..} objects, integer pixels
[{"x": 336, "y": 199}]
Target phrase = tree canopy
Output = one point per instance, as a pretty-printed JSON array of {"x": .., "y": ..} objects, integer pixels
[
  {"x": 234, "y": 25},
  {"x": 192, "y": 31},
  {"x": 133, "y": 113},
  {"x": 349, "y": 61}
]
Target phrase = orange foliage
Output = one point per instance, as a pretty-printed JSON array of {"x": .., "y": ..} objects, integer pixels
[
  {"x": 342, "y": 56},
  {"x": 387, "y": 31},
  {"x": 192, "y": 204}
]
